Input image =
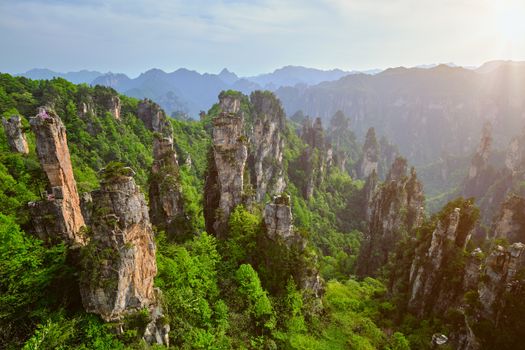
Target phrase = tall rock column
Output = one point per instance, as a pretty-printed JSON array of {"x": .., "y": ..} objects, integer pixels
[
  {"x": 369, "y": 161},
  {"x": 224, "y": 183},
  {"x": 165, "y": 198},
  {"x": 267, "y": 144},
  {"x": 58, "y": 214},
  {"x": 480, "y": 175},
  {"x": 119, "y": 262},
  {"x": 15, "y": 135},
  {"x": 393, "y": 210}
]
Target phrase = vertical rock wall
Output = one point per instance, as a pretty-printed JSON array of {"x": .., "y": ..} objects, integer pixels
[
  {"x": 15, "y": 134},
  {"x": 61, "y": 207}
]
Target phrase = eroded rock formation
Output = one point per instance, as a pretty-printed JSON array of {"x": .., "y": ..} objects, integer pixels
[
  {"x": 510, "y": 221},
  {"x": 119, "y": 262},
  {"x": 59, "y": 214},
  {"x": 16, "y": 138},
  {"x": 316, "y": 158},
  {"x": 165, "y": 198},
  {"x": 480, "y": 175},
  {"x": 369, "y": 161},
  {"x": 278, "y": 223},
  {"x": 267, "y": 145},
  {"x": 225, "y": 179},
  {"x": 393, "y": 211}
]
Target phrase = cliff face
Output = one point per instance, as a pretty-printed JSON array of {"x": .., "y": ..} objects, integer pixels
[
  {"x": 430, "y": 290},
  {"x": 225, "y": 180},
  {"x": 278, "y": 223},
  {"x": 15, "y": 135},
  {"x": 109, "y": 101},
  {"x": 394, "y": 209},
  {"x": 501, "y": 269},
  {"x": 61, "y": 207},
  {"x": 510, "y": 221},
  {"x": 369, "y": 161},
  {"x": 317, "y": 157},
  {"x": 480, "y": 174},
  {"x": 267, "y": 145},
  {"x": 119, "y": 262},
  {"x": 165, "y": 198}
]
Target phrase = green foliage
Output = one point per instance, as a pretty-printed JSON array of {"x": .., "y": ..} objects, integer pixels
[
  {"x": 258, "y": 305},
  {"x": 188, "y": 278}
]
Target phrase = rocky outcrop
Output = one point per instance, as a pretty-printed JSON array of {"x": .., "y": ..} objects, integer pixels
[
  {"x": 61, "y": 206},
  {"x": 317, "y": 157},
  {"x": 501, "y": 268},
  {"x": 119, "y": 262},
  {"x": 515, "y": 155},
  {"x": 480, "y": 175},
  {"x": 16, "y": 139},
  {"x": 393, "y": 211},
  {"x": 165, "y": 192},
  {"x": 510, "y": 221},
  {"x": 267, "y": 145},
  {"x": 108, "y": 101},
  {"x": 225, "y": 179},
  {"x": 369, "y": 161},
  {"x": 278, "y": 224}
]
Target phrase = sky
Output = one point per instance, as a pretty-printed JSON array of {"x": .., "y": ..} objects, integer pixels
[{"x": 252, "y": 37}]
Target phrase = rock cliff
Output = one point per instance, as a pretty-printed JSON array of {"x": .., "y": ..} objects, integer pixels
[
  {"x": 369, "y": 161},
  {"x": 225, "y": 179},
  {"x": 480, "y": 174},
  {"x": 267, "y": 145},
  {"x": 118, "y": 264},
  {"x": 165, "y": 198},
  {"x": 278, "y": 224},
  {"x": 394, "y": 209},
  {"x": 510, "y": 221},
  {"x": 316, "y": 158},
  {"x": 59, "y": 214},
  {"x": 15, "y": 134}
]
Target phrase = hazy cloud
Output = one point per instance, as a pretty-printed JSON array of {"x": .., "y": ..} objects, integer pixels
[{"x": 255, "y": 36}]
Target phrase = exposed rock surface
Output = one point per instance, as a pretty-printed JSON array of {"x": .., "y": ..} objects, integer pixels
[
  {"x": 515, "y": 155},
  {"x": 427, "y": 293},
  {"x": 15, "y": 134},
  {"x": 225, "y": 180},
  {"x": 501, "y": 268},
  {"x": 316, "y": 158},
  {"x": 278, "y": 223},
  {"x": 109, "y": 101},
  {"x": 119, "y": 262},
  {"x": 62, "y": 204},
  {"x": 393, "y": 211},
  {"x": 480, "y": 175},
  {"x": 510, "y": 221},
  {"x": 267, "y": 145},
  {"x": 369, "y": 161},
  {"x": 165, "y": 198}
]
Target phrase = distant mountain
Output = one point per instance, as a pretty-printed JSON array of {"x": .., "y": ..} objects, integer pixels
[
  {"x": 83, "y": 76},
  {"x": 426, "y": 112},
  {"x": 189, "y": 92},
  {"x": 293, "y": 75}
]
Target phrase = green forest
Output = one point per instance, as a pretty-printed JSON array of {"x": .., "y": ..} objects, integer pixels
[{"x": 238, "y": 288}]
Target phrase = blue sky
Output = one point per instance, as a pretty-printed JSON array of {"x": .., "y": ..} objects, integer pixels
[{"x": 251, "y": 37}]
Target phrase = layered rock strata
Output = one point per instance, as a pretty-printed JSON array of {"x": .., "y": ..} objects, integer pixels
[
  {"x": 225, "y": 180},
  {"x": 394, "y": 209},
  {"x": 58, "y": 215},
  {"x": 119, "y": 263}
]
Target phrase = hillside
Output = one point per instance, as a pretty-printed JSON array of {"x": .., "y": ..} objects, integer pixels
[{"x": 122, "y": 228}]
